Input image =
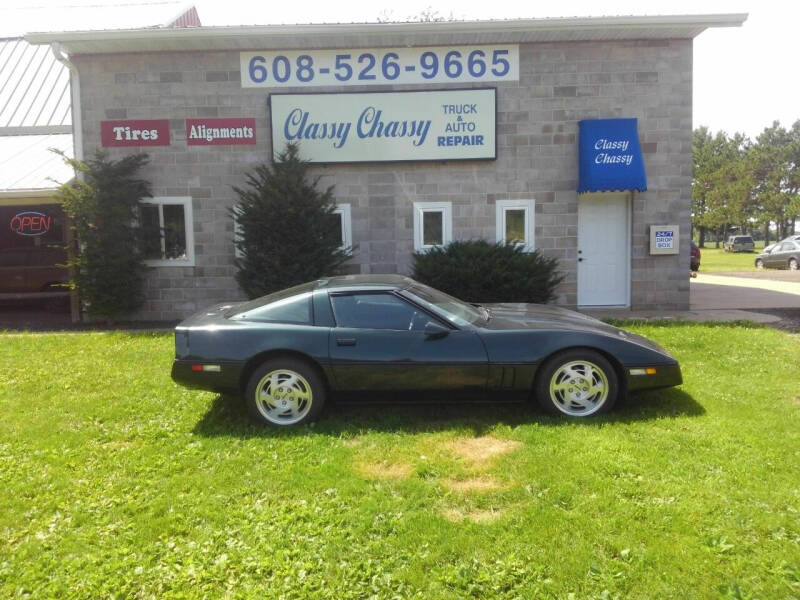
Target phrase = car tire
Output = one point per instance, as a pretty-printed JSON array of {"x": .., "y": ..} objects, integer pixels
[
  {"x": 793, "y": 264},
  {"x": 285, "y": 392},
  {"x": 759, "y": 263},
  {"x": 565, "y": 383}
]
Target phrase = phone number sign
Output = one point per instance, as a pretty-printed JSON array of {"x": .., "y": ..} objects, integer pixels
[{"x": 380, "y": 66}]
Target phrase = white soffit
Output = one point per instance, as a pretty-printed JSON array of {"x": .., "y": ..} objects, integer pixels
[{"x": 267, "y": 37}]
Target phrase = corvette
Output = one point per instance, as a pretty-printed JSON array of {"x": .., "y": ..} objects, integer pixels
[{"x": 286, "y": 353}]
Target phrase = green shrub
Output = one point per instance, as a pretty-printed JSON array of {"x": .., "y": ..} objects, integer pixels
[
  {"x": 288, "y": 233},
  {"x": 103, "y": 206},
  {"x": 477, "y": 271}
]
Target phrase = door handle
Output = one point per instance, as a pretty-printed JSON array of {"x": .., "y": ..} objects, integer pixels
[
  {"x": 580, "y": 260},
  {"x": 345, "y": 341}
]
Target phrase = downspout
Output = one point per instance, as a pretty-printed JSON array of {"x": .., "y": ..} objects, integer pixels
[
  {"x": 77, "y": 153},
  {"x": 75, "y": 89}
]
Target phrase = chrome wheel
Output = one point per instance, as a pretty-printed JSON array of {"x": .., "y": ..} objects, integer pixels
[
  {"x": 793, "y": 264},
  {"x": 579, "y": 388},
  {"x": 283, "y": 397},
  {"x": 759, "y": 264}
]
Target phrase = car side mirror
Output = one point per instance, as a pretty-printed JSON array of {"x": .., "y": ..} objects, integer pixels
[{"x": 434, "y": 331}]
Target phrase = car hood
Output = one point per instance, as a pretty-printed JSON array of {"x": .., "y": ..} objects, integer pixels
[{"x": 540, "y": 316}]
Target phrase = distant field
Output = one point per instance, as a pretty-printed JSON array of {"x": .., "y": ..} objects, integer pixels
[{"x": 715, "y": 260}]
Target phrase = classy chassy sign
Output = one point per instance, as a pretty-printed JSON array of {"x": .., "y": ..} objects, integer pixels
[
  {"x": 135, "y": 132},
  {"x": 609, "y": 156},
  {"x": 380, "y": 66},
  {"x": 386, "y": 126},
  {"x": 220, "y": 132}
]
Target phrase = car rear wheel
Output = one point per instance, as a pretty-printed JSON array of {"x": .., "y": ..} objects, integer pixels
[
  {"x": 793, "y": 265},
  {"x": 284, "y": 392},
  {"x": 759, "y": 263},
  {"x": 576, "y": 383}
]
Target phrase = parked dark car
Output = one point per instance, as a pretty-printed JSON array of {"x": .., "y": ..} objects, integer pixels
[
  {"x": 370, "y": 334},
  {"x": 783, "y": 255},
  {"x": 694, "y": 257},
  {"x": 32, "y": 269},
  {"x": 739, "y": 243}
]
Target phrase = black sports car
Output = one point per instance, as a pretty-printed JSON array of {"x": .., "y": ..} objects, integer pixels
[{"x": 286, "y": 352}]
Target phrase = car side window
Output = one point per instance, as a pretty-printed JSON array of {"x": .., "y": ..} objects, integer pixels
[
  {"x": 787, "y": 247},
  {"x": 377, "y": 311},
  {"x": 293, "y": 309}
]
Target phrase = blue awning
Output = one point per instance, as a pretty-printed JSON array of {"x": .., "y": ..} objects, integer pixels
[{"x": 610, "y": 158}]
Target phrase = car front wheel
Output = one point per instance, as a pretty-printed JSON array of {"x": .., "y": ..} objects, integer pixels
[
  {"x": 576, "y": 383},
  {"x": 285, "y": 392},
  {"x": 759, "y": 263}
]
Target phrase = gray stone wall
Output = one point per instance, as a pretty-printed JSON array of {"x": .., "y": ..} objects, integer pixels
[{"x": 537, "y": 127}]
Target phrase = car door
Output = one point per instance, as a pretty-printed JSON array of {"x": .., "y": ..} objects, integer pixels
[
  {"x": 787, "y": 251},
  {"x": 780, "y": 255},
  {"x": 380, "y": 343}
]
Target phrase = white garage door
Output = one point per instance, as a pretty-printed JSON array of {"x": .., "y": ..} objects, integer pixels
[{"x": 603, "y": 250}]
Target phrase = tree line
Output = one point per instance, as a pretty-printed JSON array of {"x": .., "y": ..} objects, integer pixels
[{"x": 746, "y": 186}]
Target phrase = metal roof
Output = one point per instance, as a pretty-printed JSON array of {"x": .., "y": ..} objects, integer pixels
[
  {"x": 84, "y": 14},
  {"x": 26, "y": 162},
  {"x": 34, "y": 88},
  {"x": 266, "y": 37}
]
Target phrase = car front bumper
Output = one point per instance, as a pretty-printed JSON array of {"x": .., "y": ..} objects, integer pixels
[{"x": 664, "y": 376}]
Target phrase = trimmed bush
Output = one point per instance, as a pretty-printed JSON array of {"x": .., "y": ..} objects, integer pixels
[
  {"x": 477, "y": 271},
  {"x": 288, "y": 233}
]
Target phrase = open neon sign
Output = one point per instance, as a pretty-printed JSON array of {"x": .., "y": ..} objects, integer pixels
[{"x": 30, "y": 223}]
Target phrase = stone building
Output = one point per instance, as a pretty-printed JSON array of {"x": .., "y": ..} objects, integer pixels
[{"x": 430, "y": 132}]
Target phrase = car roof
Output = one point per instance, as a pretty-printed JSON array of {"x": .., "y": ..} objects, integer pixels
[{"x": 373, "y": 281}]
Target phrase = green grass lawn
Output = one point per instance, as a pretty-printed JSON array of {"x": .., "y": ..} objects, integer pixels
[
  {"x": 716, "y": 260},
  {"x": 119, "y": 484}
]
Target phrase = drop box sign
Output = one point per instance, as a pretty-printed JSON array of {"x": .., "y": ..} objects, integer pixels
[{"x": 386, "y": 126}]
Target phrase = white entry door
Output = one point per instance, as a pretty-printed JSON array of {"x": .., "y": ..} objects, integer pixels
[{"x": 603, "y": 250}]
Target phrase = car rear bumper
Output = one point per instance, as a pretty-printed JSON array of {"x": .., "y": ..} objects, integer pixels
[
  {"x": 665, "y": 376},
  {"x": 226, "y": 379}
]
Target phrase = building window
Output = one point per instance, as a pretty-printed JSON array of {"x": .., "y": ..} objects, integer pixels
[
  {"x": 167, "y": 226},
  {"x": 433, "y": 225},
  {"x": 342, "y": 215},
  {"x": 514, "y": 220}
]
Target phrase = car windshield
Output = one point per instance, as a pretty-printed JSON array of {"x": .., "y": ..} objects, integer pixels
[{"x": 453, "y": 309}]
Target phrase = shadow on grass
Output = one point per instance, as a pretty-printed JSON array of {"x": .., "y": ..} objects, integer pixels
[{"x": 227, "y": 416}]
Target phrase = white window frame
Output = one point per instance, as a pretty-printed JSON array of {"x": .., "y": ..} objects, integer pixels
[
  {"x": 188, "y": 220},
  {"x": 237, "y": 237},
  {"x": 347, "y": 225},
  {"x": 501, "y": 206},
  {"x": 446, "y": 208},
  {"x": 340, "y": 209}
]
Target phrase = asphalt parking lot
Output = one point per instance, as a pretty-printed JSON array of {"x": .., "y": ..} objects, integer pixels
[{"x": 746, "y": 290}]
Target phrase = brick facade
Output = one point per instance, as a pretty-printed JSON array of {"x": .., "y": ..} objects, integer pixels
[{"x": 537, "y": 126}]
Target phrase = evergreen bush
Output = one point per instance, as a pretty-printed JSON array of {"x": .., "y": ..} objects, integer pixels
[
  {"x": 287, "y": 233},
  {"x": 482, "y": 272},
  {"x": 103, "y": 206}
]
